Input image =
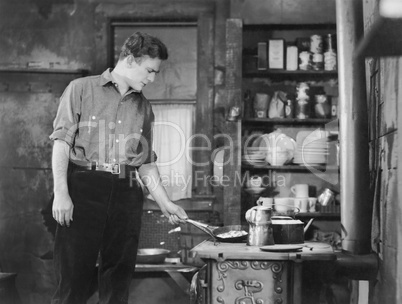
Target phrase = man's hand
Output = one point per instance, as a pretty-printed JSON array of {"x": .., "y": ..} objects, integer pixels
[
  {"x": 174, "y": 213},
  {"x": 63, "y": 209}
]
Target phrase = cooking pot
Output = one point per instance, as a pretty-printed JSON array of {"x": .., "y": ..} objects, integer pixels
[
  {"x": 221, "y": 234},
  {"x": 151, "y": 255},
  {"x": 287, "y": 230},
  {"x": 260, "y": 232}
]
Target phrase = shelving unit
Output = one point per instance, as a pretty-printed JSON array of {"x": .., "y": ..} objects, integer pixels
[
  {"x": 290, "y": 75},
  {"x": 287, "y": 121},
  {"x": 270, "y": 80},
  {"x": 297, "y": 168}
]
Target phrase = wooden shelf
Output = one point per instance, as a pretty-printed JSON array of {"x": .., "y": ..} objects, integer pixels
[
  {"x": 322, "y": 168},
  {"x": 288, "y": 121},
  {"x": 321, "y": 215},
  {"x": 290, "y": 74},
  {"x": 46, "y": 71}
]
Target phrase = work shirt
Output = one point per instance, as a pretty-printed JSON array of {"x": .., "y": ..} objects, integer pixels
[{"x": 99, "y": 124}]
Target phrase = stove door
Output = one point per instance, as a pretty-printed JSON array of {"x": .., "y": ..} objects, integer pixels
[{"x": 249, "y": 282}]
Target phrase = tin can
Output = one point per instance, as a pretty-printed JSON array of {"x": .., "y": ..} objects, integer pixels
[
  {"x": 316, "y": 44},
  {"x": 318, "y": 62}
]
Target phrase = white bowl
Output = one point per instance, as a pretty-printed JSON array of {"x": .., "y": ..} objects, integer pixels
[
  {"x": 277, "y": 158},
  {"x": 254, "y": 190}
]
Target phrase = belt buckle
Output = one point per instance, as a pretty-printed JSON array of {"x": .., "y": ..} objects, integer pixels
[{"x": 115, "y": 168}]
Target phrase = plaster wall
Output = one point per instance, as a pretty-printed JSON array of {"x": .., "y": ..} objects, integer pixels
[
  {"x": 57, "y": 35},
  {"x": 384, "y": 88}
]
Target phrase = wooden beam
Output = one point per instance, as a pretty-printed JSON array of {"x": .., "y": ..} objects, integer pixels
[{"x": 231, "y": 168}]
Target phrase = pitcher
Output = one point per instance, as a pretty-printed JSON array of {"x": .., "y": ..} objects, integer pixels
[{"x": 260, "y": 232}]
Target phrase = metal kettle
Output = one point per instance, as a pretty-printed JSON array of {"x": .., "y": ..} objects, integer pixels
[{"x": 260, "y": 232}]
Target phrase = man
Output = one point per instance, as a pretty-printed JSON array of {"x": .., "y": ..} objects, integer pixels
[{"x": 102, "y": 137}]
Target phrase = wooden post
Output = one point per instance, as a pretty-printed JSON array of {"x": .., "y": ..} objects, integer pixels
[{"x": 231, "y": 168}]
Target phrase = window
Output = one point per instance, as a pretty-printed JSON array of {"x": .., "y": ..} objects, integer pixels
[{"x": 173, "y": 96}]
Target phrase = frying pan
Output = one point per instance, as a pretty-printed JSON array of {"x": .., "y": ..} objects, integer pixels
[{"x": 215, "y": 231}]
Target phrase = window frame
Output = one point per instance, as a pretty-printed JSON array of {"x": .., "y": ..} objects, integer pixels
[{"x": 203, "y": 15}]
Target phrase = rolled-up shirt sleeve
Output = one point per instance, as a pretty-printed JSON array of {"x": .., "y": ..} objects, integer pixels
[{"x": 66, "y": 122}]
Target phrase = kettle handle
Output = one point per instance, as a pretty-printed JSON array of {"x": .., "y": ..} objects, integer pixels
[{"x": 249, "y": 215}]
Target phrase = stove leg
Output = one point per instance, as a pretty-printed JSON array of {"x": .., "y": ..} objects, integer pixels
[{"x": 297, "y": 283}]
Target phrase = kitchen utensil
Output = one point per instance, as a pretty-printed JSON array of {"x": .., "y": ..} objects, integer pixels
[
  {"x": 152, "y": 255},
  {"x": 260, "y": 230},
  {"x": 312, "y": 202},
  {"x": 326, "y": 197},
  {"x": 287, "y": 230},
  {"x": 300, "y": 190},
  {"x": 301, "y": 203},
  {"x": 215, "y": 231},
  {"x": 308, "y": 224},
  {"x": 265, "y": 201},
  {"x": 285, "y": 209},
  {"x": 277, "y": 142},
  {"x": 281, "y": 248},
  {"x": 254, "y": 191},
  {"x": 254, "y": 182},
  {"x": 283, "y": 201},
  {"x": 277, "y": 157}
]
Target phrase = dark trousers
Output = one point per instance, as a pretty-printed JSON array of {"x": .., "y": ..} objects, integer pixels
[{"x": 105, "y": 229}]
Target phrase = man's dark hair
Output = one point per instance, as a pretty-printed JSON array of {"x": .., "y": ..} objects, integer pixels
[{"x": 141, "y": 44}]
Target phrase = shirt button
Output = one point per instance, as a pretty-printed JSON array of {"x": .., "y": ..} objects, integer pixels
[
  {"x": 141, "y": 130},
  {"x": 93, "y": 117},
  {"x": 119, "y": 121},
  {"x": 117, "y": 140}
]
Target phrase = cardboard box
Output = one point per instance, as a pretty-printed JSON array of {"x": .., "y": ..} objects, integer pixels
[{"x": 276, "y": 54}]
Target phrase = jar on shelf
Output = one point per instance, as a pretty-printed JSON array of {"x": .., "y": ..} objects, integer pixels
[
  {"x": 261, "y": 103},
  {"x": 289, "y": 108},
  {"x": 316, "y": 49},
  {"x": 330, "y": 57},
  {"x": 302, "y": 104},
  {"x": 322, "y": 106},
  {"x": 302, "y": 108}
]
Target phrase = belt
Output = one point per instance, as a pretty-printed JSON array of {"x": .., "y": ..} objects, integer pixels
[{"x": 95, "y": 166}]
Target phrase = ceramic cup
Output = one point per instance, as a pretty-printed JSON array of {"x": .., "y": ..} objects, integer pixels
[
  {"x": 300, "y": 190},
  {"x": 302, "y": 203},
  {"x": 312, "y": 202},
  {"x": 265, "y": 201},
  {"x": 255, "y": 182},
  {"x": 282, "y": 204}
]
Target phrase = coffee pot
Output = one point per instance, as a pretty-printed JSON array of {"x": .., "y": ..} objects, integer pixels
[{"x": 260, "y": 231}]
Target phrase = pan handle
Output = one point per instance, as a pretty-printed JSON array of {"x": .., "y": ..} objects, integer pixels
[{"x": 204, "y": 227}]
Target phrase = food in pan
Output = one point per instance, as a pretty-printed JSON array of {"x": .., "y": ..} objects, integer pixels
[{"x": 232, "y": 233}]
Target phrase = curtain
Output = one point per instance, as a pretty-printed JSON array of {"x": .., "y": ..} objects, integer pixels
[{"x": 172, "y": 130}]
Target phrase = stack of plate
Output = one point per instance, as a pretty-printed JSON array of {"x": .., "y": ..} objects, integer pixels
[
  {"x": 254, "y": 156},
  {"x": 274, "y": 148},
  {"x": 312, "y": 148}
]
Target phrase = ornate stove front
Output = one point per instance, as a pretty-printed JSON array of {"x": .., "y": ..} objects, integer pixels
[{"x": 247, "y": 282}]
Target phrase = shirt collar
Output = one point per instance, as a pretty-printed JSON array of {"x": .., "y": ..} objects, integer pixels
[{"x": 106, "y": 78}]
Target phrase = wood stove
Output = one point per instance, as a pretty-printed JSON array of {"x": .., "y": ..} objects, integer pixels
[{"x": 241, "y": 274}]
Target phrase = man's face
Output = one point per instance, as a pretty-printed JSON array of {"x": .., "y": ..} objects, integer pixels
[{"x": 142, "y": 73}]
